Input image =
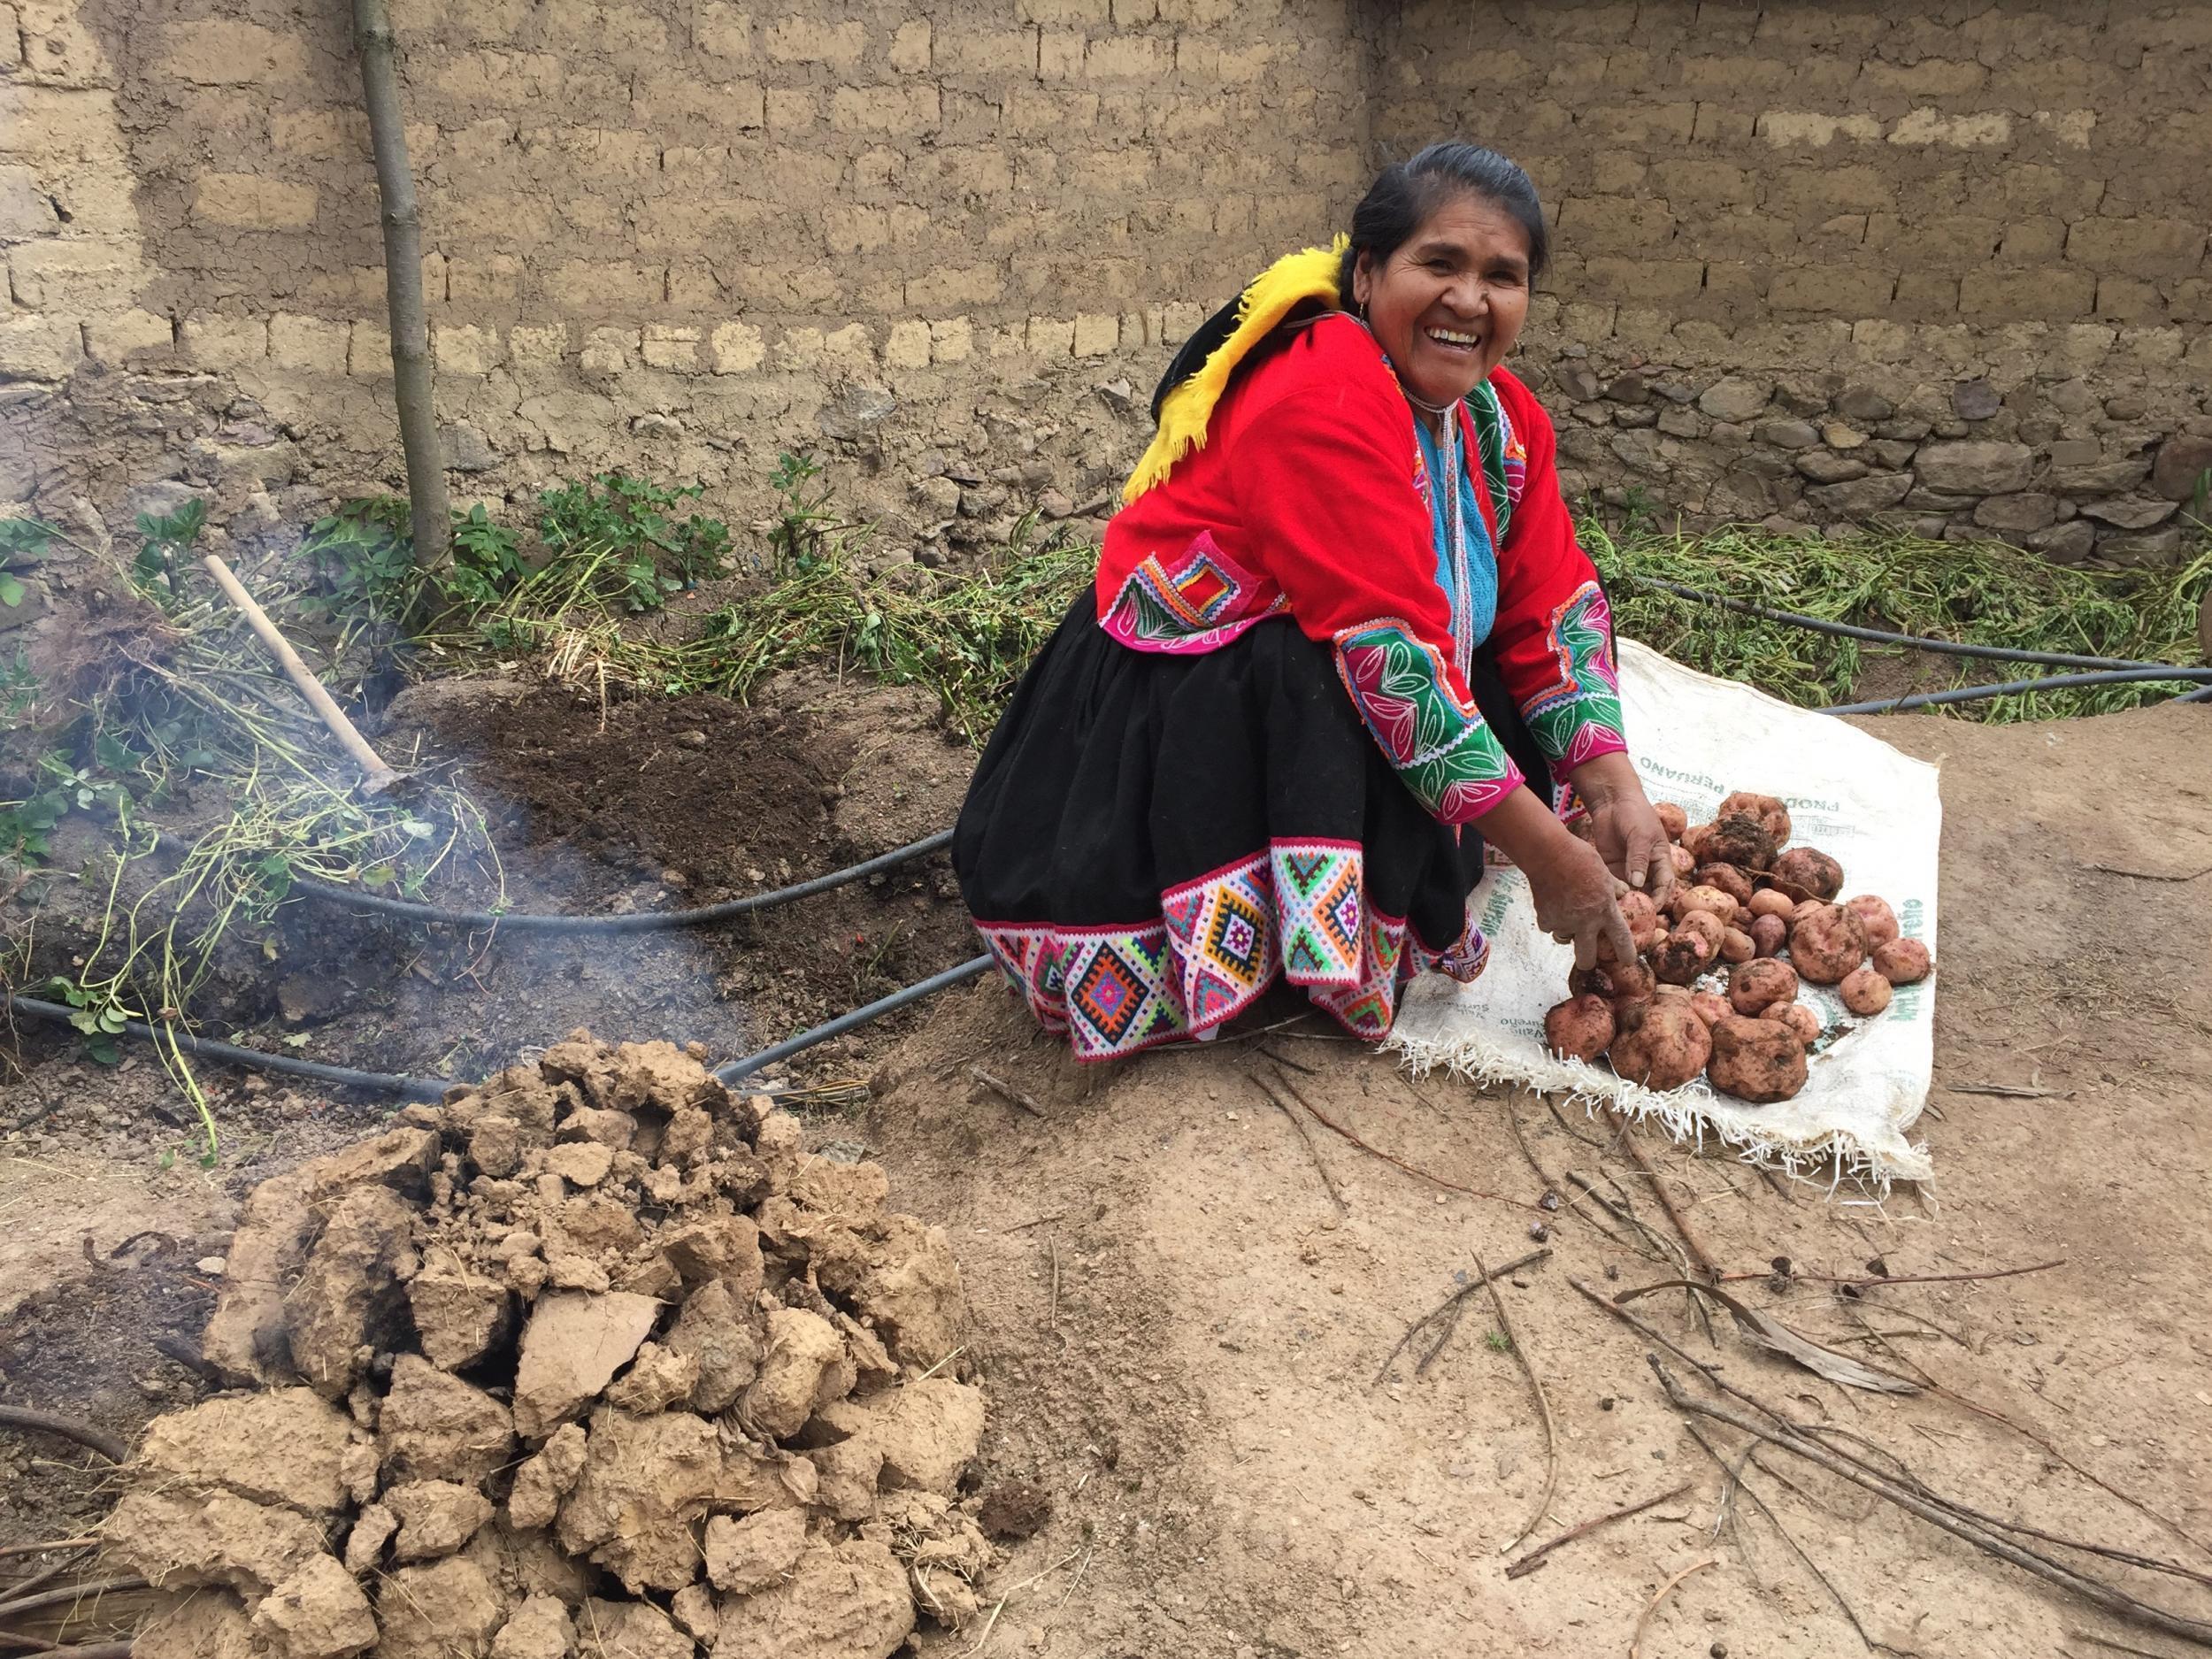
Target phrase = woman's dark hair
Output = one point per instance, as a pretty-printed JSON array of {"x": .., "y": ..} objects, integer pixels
[{"x": 1405, "y": 193}]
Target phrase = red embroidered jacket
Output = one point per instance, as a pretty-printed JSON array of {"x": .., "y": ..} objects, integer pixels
[{"x": 1310, "y": 497}]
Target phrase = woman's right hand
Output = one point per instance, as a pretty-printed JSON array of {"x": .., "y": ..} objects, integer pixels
[
  {"x": 1578, "y": 902},
  {"x": 1577, "y": 896}
]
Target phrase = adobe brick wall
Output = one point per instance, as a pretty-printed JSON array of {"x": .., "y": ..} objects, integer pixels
[
  {"x": 1814, "y": 264},
  {"x": 1940, "y": 265},
  {"x": 677, "y": 236}
]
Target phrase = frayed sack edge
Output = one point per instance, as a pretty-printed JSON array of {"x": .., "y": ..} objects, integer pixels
[{"x": 1682, "y": 1113}]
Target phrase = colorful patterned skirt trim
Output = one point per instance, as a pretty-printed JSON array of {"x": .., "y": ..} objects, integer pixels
[
  {"x": 1152, "y": 841},
  {"x": 1298, "y": 911}
]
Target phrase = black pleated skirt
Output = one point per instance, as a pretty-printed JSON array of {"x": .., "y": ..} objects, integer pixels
[{"x": 1152, "y": 839}]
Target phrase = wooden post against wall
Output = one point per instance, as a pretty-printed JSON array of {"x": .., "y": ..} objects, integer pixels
[{"x": 427, "y": 509}]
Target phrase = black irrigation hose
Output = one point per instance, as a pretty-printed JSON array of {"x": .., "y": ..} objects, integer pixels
[
  {"x": 413, "y": 1088},
  {"x": 638, "y": 922},
  {"x": 734, "y": 1070},
  {"x": 2117, "y": 671},
  {"x": 1882, "y": 636},
  {"x": 2200, "y": 677}
]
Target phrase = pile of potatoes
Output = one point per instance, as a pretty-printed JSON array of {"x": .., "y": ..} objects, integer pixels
[{"x": 1714, "y": 988}]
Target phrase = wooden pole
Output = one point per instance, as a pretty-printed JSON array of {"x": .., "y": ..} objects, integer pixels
[
  {"x": 378, "y": 776},
  {"x": 427, "y": 509}
]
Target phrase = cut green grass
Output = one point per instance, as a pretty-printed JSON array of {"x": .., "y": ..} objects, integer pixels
[{"x": 1976, "y": 593}]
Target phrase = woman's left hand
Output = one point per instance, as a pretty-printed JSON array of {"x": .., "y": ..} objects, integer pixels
[{"x": 1624, "y": 827}]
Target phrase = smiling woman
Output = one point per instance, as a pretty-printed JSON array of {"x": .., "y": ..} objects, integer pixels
[{"x": 1340, "y": 627}]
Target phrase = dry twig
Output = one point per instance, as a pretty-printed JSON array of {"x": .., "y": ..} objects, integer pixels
[
  {"x": 1698, "y": 1256},
  {"x": 1306, "y": 1136},
  {"x": 1875, "y": 1281},
  {"x": 1535, "y": 1558},
  {"x": 2096, "y": 1591},
  {"x": 2117, "y": 1646},
  {"x": 68, "y": 1428},
  {"x": 1636, "y": 1643},
  {"x": 1543, "y": 1407},
  {"x": 1007, "y": 1092},
  {"x": 68, "y": 1593},
  {"x": 1449, "y": 1306},
  {"x": 1734, "y": 1475},
  {"x": 1334, "y": 1127}
]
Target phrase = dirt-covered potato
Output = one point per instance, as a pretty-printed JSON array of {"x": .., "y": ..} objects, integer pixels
[
  {"x": 1694, "y": 840},
  {"x": 1632, "y": 979},
  {"x": 1864, "y": 992},
  {"x": 1772, "y": 902},
  {"x": 1903, "y": 962},
  {"x": 1877, "y": 920},
  {"x": 1638, "y": 910},
  {"x": 1596, "y": 981},
  {"x": 1665, "y": 1047},
  {"x": 1710, "y": 1008},
  {"x": 1642, "y": 917},
  {"x": 1686, "y": 901},
  {"x": 1736, "y": 946},
  {"x": 1741, "y": 840},
  {"x": 1827, "y": 945},
  {"x": 1757, "y": 1060},
  {"x": 1728, "y": 878},
  {"x": 1581, "y": 1028},
  {"x": 1680, "y": 957},
  {"x": 1672, "y": 819},
  {"x": 1708, "y": 929},
  {"x": 1757, "y": 986},
  {"x": 1769, "y": 935},
  {"x": 1806, "y": 873},
  {"x": 1617, "y": 984},
  {"x": 1799, "y": 1018},
  {"x": 1684, "y": 865},
  {"x": 1806, "y": 907},
  {"x": 1773, "y": 816}
]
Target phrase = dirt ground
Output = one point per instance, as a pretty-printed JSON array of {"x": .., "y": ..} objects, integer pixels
[{"x": 1181, "y": 1329}]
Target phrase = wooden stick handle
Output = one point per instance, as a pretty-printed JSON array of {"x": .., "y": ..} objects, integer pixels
[{"x": 379, "y": 775}]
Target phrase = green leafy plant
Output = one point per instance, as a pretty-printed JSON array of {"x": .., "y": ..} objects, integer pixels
[
  {"x": 486, "y": 562},
  {"x": 18, "y": 689},
  {"x": 795, "y": 539},
  {"x": 97, "y": 1014},
  {"x": 167, "y": 538},
  {"x": 23, "y": 542},
  {"x": 628, "y": 523},
  {"x": 26, "y": 825},
  {"x": 360, "y": 556},
  {"x": 1977, "y": 593}
]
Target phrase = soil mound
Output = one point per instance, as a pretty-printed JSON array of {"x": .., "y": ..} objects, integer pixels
[{"x": 593, "y": 1355}]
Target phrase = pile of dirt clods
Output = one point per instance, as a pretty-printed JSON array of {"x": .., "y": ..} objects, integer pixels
[{"x": 593, "y": 1359}]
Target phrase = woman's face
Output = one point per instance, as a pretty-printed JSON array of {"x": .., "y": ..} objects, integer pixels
[{"x": 1449, "y": 303}]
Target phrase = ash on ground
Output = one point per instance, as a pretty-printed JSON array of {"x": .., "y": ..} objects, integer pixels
[{"x": 594, "y": 1358}]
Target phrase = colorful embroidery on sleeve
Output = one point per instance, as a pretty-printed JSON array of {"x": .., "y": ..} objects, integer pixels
[
  {"x": 1579, "y": 718},
  {"x": 1504, "y": 457},
  {"x": 1442, "y": 747},
  {"x": 1203, "y": 603}
]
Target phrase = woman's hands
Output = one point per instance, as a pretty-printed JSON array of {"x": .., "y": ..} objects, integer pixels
[
  {"x": 1578, "y": 902},
  {"x": 1577, "y": 896},
  {"x": 1625, "y": 829}
]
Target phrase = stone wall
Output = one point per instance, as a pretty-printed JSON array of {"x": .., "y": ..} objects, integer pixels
[{"x": 1940, "y": 265}]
